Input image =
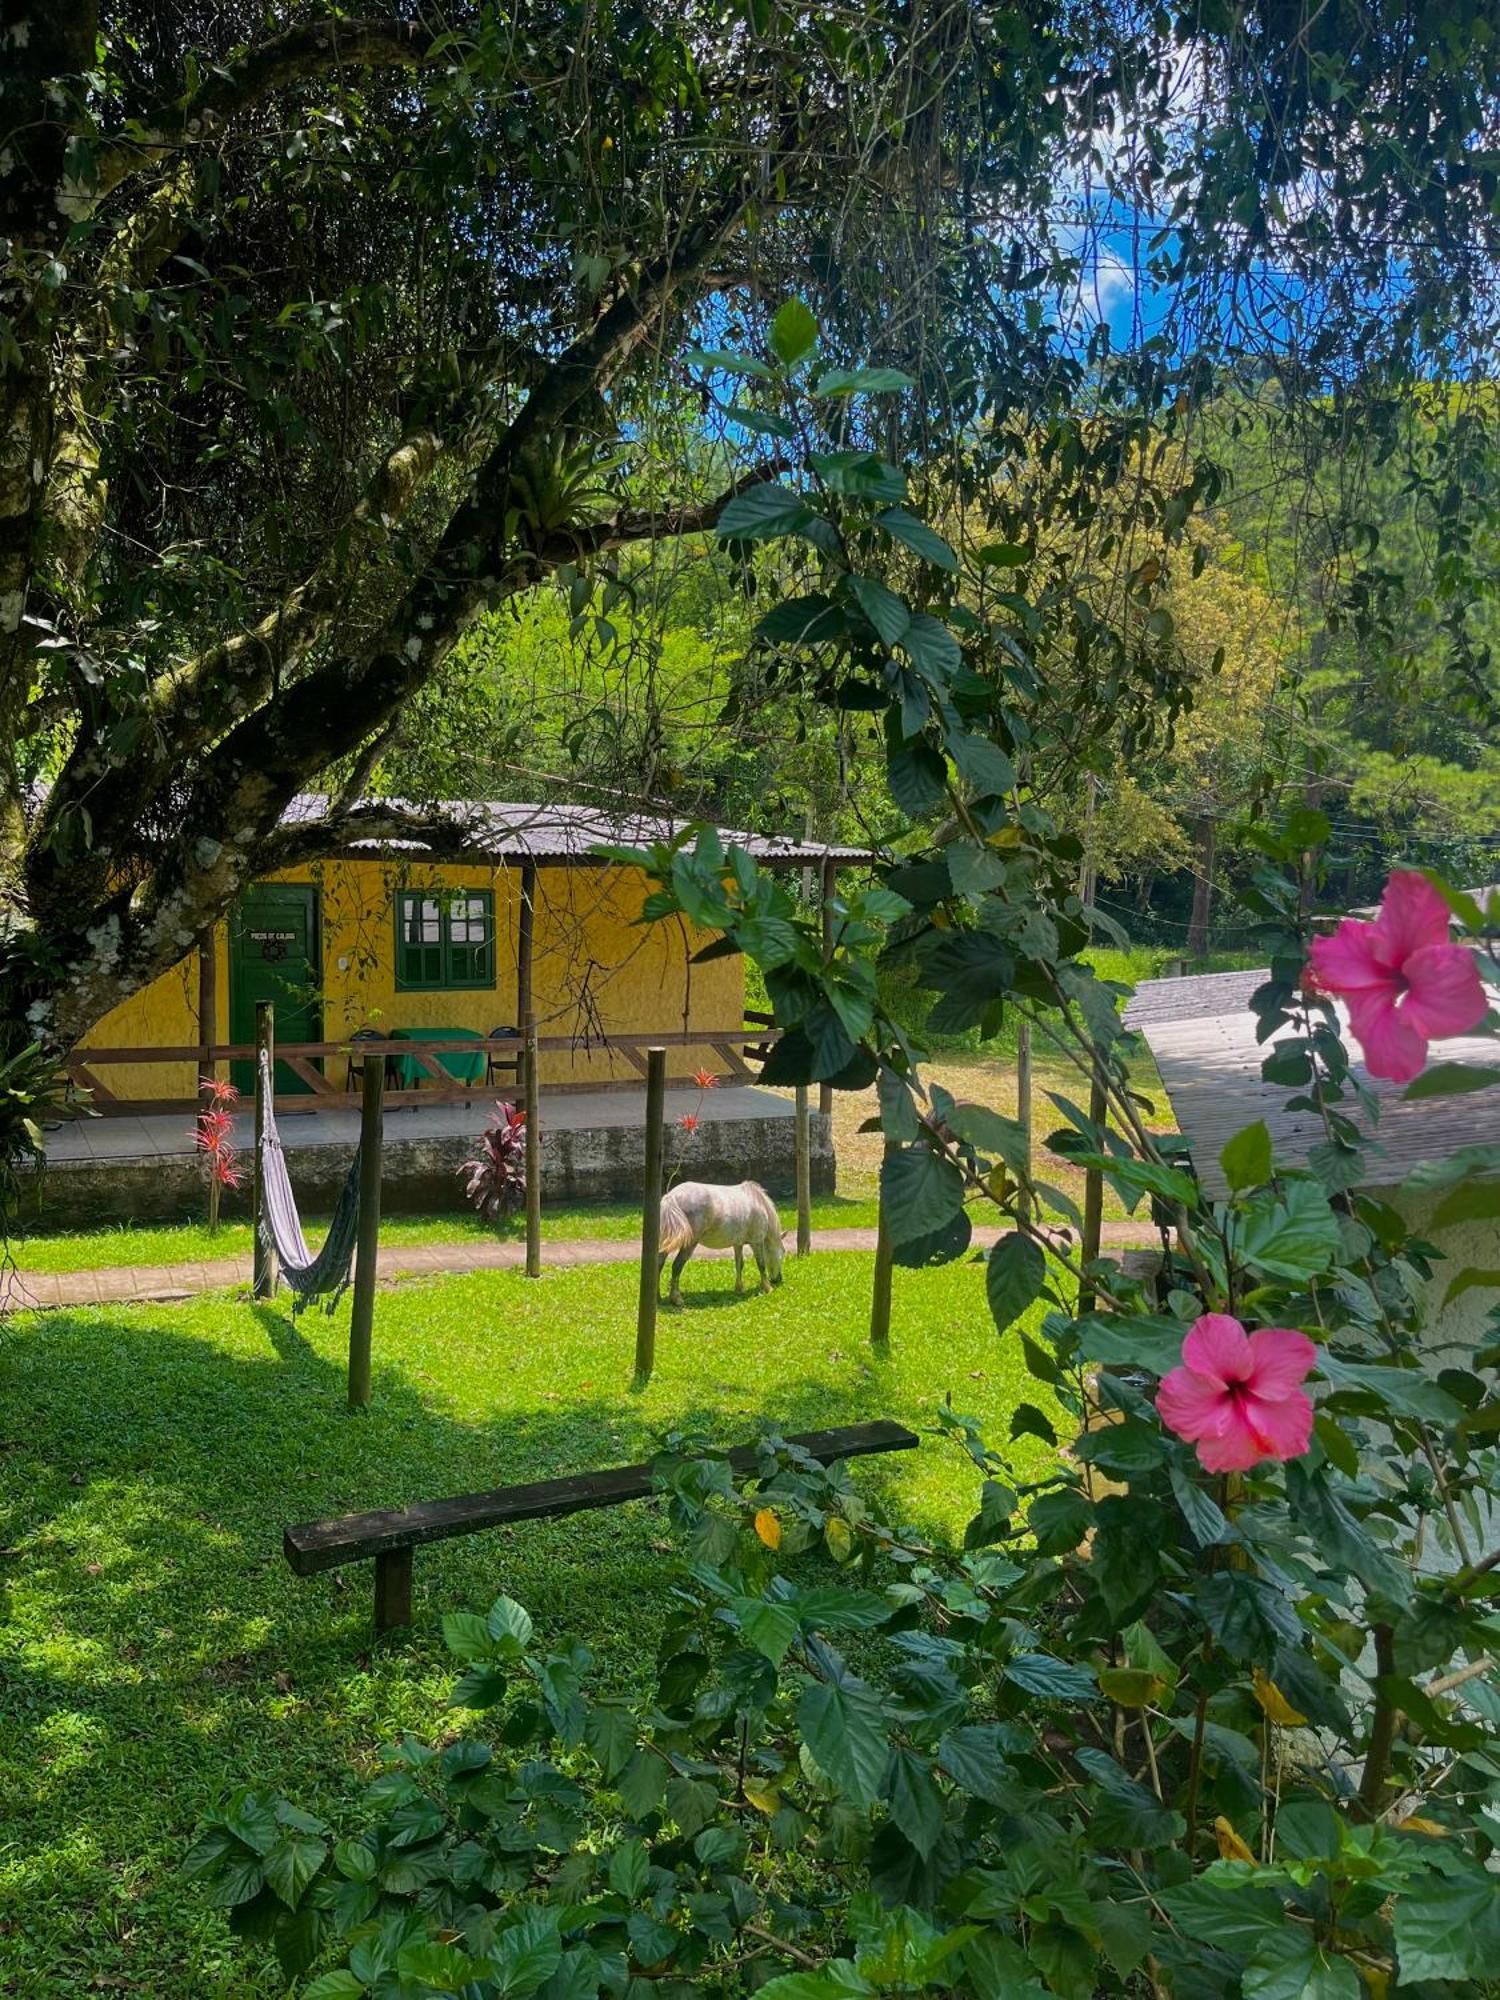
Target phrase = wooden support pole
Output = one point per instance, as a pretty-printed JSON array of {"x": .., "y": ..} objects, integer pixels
[
  {"x": 529, "y": 1082},
  {"x": 392, "y": 1589},
  {"x": 525, "y": 946},
  {"x": 1093, "y": 1190},
  {"x": 880, "y": 1293},
  {"x": 828, "y": 882},
  {"x": 1023, "y": 1106},
  {"x": 263, "y": 1257},
  {"x": 208, "y": 1030},
  {"x": 650, "y": 1293},
  {"x": 367, "y": 1250},
  {"x": 804, "y": 1173},
  {"x": 208, "y": 1007}
]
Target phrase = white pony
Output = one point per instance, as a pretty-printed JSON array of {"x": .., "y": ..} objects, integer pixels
[{"x": 722, "y": 1218}]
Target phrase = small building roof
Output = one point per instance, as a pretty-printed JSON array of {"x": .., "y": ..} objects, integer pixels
[
  {"x": 551, "y": 833},
  {"x": 1202, "y": 1034}
]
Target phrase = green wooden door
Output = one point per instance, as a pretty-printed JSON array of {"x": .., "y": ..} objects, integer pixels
[{"x": 275, "y": 953}]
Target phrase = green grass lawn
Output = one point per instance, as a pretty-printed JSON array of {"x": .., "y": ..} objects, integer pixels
[
  {"x": 155, "y": 1650},
  {"x": 190, "y": 1243}
]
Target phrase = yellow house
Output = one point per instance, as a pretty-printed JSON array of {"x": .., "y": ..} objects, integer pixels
[{"x": 383, "y": 939}]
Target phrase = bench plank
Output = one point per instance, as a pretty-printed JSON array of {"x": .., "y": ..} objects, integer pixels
[{"x": 311, "y": 1546}]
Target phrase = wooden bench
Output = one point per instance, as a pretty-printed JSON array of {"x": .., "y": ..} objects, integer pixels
[{"x": 389, "y": 1535}]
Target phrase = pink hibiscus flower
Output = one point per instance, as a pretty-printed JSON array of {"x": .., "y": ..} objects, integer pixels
[
  {"x": 1239, "y": 1396},
  {"x": 1406, "y": 983}
]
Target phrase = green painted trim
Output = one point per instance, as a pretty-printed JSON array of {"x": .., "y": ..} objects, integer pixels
[{"x": 445, "y": 946}]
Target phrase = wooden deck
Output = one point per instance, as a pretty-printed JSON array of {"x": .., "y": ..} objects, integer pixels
[{"x": 1202, "y": 1034}]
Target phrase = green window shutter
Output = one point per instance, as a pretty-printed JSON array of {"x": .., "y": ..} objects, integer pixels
[
  {"x": 445, "y": 940},
  {"x": 419, "y": 943},
  {"x": 471, "y": 938}
]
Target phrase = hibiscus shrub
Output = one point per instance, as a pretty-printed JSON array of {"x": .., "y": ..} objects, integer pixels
[{"x": 1112, "y": 1746}]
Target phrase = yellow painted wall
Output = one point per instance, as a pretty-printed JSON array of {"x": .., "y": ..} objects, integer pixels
[{"x": 596, "y": 972}]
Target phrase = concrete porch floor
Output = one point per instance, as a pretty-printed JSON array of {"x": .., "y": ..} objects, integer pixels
[{"x": 99, "y": 1141}]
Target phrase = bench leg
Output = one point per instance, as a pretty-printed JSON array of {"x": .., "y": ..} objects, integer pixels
[{"x": 392, "y": 1589}]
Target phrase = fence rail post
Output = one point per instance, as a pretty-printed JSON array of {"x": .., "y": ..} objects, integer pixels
[
  {"x": 828, "y": 883},
  {"x": 367, "y": 1248},
  {"x": 263, "y": 1257},
  {"x": 804, "y": 1173},
  {"x": 880, "y": 1289},
  {"x": 1093, "y": 1190},
  {"x": 1023, "y": 1109},
  {"x": 650, "y": 1292},
  {"x": 533, "y": 1153}
]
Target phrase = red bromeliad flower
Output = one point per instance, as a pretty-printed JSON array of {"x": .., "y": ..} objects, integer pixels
[
  {"x": 219, "y": 1091},
  {"x": 1404, "y": 980},
  {"x": 688, "y": 1121},
  {"x": 1239, "y": 1397},
  {"x": 214, "y": 1131},
  {"x": 705, "y": 1079}
]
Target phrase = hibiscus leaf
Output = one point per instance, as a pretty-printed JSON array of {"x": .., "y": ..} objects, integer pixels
[
  {"x": 1014, "y": 1275},
  {"x": 1246, "y": 1160},
  {"x": 1248, "y": 1616},
  {"x": 1451, "y": 1079},
  {"x": 1448, "y": 1929},
  {"x": 844, "y": 1731},
  {"x": 1337, "y": 1537},
  {"x": 1206, "y": 1520},
  {"x": 1475, "y": 1201},
  {"x": 1294, "y": 1234},
  {"x": 920, "y": 1191}
]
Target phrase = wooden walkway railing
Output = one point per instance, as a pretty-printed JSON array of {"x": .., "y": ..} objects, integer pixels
[{"x": 503, "y": 1052}]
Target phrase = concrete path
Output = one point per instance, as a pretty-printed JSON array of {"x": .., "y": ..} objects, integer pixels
[{"x": 125, "y": 1284}]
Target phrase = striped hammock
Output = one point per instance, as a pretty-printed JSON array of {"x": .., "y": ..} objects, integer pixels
[{"x": 308, "y": 1277}]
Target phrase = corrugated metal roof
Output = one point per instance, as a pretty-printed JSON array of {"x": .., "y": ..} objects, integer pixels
[
  {"x": 1186, "y": 999},
  {"x": 1202, "y": 1034},
  {"x": 559, "y": 833}
]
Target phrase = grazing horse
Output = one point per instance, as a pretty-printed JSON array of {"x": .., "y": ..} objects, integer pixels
[{"x": 723, "y": 1218}]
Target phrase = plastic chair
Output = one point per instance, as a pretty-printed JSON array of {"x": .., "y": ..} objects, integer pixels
[
  {"x": 494, "y": 1062},
  {"x": 356, "y": 1064}
]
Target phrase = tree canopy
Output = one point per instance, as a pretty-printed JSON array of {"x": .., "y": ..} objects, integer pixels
[{"x": 325, "y": 333}]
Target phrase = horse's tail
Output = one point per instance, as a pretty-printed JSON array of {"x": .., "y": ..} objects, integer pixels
[
  {"x": 767, "y": 1207},
  {"x": 676, "y": 1230}
]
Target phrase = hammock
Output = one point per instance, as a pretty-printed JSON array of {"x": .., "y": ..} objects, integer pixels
[{"x": 307, "y": 1276}]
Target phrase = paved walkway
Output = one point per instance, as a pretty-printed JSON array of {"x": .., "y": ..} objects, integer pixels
[{"x": 126, "y": 1284}]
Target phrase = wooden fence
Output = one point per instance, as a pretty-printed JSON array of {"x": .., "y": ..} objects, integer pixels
[{"x": 732, "y": 1045}]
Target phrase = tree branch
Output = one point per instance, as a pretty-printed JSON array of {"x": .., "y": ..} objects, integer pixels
[
  {"x": 645, "y": 524},
  {"x": 189, "y": 707},
  {"x": 235, "y": 799},
  {"x": 441, "y": 836},
  {"x": 237, "y": 86}
]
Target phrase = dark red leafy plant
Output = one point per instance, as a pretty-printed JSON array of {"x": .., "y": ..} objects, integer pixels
[{"x": 497, "y": 1173}]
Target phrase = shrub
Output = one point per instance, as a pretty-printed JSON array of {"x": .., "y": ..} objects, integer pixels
[
  {"x": 497, "y": 1174},
  {"x": 1116, "y": 1750}
]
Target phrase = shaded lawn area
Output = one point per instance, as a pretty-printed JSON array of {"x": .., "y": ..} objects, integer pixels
[{"x": 155, "y": 1650}]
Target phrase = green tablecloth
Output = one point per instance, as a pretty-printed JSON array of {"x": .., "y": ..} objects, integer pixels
[{"x": 459, "y": 1064}]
